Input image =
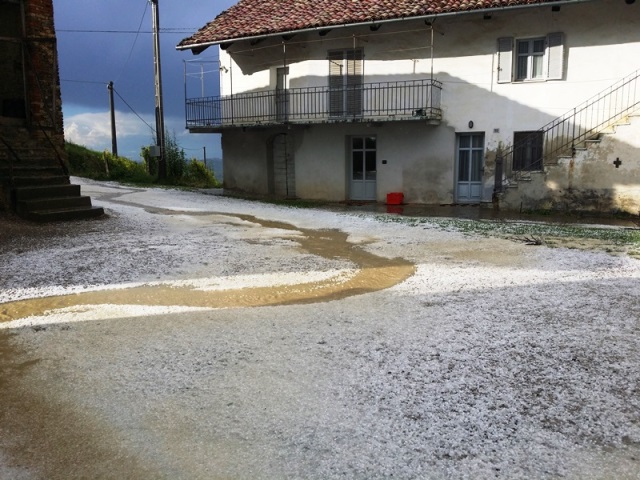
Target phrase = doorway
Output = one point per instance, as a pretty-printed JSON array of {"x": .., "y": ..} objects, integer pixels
[
  {"x": 363, "y": 165},
  {"x": 470, "y": 167}
]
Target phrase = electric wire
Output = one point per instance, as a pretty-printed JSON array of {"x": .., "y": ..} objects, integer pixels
[
  {"x": 135, "y": 113},
  {"x": 83, "y": 81},
  {"x": 146, "y": 7},
  {"x": 180, "y": 31}
]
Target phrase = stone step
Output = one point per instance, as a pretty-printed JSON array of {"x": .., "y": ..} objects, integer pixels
[
  {"x": 63, "y": 214},
  {"x": 30, "y": 170},
  {"x": 37, "y": 181},
  {"x": 26, "y": 206},
  {"x": 46, "y": 191}
]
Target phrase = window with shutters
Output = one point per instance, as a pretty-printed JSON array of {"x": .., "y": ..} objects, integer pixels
[
  {"x": 12, "y": 81},
  {"x": 531, "y": 59},
  {"x": 346, "y": 78}
]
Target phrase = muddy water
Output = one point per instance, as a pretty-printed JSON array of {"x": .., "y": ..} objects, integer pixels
[
  {"x": 33, "y": 421},
  {"x": 43, "y": 437},
  {"x": 374, "y": 273}
]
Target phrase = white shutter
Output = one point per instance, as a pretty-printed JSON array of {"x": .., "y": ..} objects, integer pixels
[
  {"x": 336, "y": 82},
  {"x": 555, "y": 56},
  {"x": 355, "y": 80},
  {"x": 505, "y": 59}
]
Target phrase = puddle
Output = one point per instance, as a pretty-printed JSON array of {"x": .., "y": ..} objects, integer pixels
[
  {"x": 44, "y": 437},
  {"x": 374, "y": 273}
]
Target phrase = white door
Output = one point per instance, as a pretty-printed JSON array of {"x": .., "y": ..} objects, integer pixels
[
  {"x": 363, "y": 170},
  {"x": 470, "y": 166},
  {"x": 284, "y": 174}
]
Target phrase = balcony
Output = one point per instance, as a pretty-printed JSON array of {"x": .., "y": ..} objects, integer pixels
[{"x": 368, "y": 102}]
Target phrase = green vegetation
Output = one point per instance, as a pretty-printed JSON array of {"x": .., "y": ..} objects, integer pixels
[
  {"x": 87, "y": 163},
  {"x": 609, "y": 239}
]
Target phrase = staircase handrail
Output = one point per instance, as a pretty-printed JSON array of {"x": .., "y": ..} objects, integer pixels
[{"x": 623, "y": 98}]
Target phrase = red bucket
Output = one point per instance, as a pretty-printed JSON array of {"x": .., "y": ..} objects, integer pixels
[{"x": 395, "y": 198}]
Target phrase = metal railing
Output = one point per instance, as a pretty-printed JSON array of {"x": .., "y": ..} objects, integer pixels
[
  {"x": 563, "y": 135},
  {"x": 418, "y": 99}
]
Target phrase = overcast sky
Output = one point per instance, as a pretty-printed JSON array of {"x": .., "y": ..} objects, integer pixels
[{"x": 98, "y": 43}]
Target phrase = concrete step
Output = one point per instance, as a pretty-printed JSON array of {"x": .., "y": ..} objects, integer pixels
[
  {"x": 46, "y": 191},
  {"x": 63, "y": 214},
  {"x": 40, "y": 181},
  {"x": 25, "y": 206},
  {"x": 30, "y": 170}
]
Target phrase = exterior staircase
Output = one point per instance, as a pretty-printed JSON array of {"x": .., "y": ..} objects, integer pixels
[
  {"x": 583, "y": 160},
  {"x": 575, "y": 131},
  {"x": 41, "y": 191}
]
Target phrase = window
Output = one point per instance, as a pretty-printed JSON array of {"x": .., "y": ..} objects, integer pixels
[
  {"x": 530, "y": 59},
  {"x": 12, "y": 86},
  {"x": 346, "y": 77},
  {"x": 540, "y": 58},
  {"x": 527, "y": 150}
]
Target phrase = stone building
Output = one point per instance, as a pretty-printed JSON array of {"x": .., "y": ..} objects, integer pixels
[{"x": 34, "y": 180}]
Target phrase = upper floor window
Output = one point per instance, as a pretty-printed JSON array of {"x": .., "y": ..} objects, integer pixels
[
  {"x": 540, "y": 58},
  {"x": 530, "y": 61}
]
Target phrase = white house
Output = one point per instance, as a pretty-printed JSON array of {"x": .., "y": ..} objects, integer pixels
[{"x": 527, "y": 103}]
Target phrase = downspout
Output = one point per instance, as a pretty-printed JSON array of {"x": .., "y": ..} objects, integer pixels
[
  {"x": 186, "y": 113},
  {"x": 286, "y": 93},
  {"x": 231, "y": 88}
]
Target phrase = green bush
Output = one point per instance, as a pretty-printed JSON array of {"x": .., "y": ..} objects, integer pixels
[
  {"x": 175, "y": 159},
  {"x": 198, "y": 175},
  {"x": 85, "y": 163},
  {"x": 124, "y": 170},
  {"x": 104, "y": 166}
]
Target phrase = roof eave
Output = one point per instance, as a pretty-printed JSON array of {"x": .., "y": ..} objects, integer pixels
[{"x": 202, "y": 46}]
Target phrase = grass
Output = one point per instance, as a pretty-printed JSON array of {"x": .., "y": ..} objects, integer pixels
[
  {"x": 611, "y": 239},
  {"x": 87, "y": 163}
]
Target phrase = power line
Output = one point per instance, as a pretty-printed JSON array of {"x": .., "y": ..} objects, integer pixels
[
  {"x": 83, "y": 81},
  {"x": 136, "y": 113},
  {"x": 146, "y": 6},
  {"x": 130, "y": 32}
]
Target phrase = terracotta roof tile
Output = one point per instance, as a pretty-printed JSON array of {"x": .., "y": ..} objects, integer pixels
[{"x": 250, "y": 18}]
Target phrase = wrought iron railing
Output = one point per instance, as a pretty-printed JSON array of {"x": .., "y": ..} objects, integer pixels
[
  {"x": 563, "y": 135},
  {"x": 418, "y": 99}
]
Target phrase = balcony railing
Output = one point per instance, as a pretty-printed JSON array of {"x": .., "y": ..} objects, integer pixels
[{"x": 382, "y": 101}]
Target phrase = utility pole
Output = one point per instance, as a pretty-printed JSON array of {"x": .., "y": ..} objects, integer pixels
[
  {"x": 114, "y": 140},
  {"x": 205, "y": 156},
  {"x": 160, "y": 141}
]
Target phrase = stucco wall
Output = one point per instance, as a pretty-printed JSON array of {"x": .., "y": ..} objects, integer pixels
[
  {"x": 590, "y": 181},
  {"x": 245, "y": 154},
  {"x": 417, "y": 161}
]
